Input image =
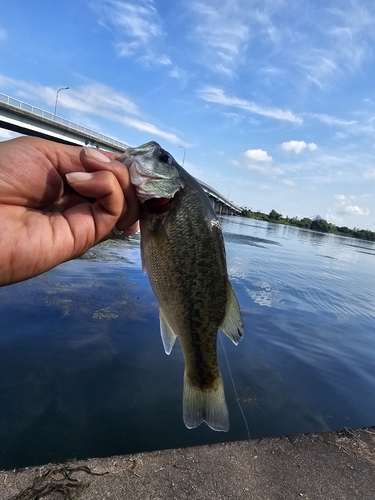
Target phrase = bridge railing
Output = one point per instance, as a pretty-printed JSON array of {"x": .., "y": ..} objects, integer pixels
[
  {"x": 46, "y": 115},
  {"x": 219, "y": 196}
]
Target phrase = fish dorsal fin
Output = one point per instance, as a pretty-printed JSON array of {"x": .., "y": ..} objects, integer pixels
[
  {"x": 167, "y": 334},
  {"x": 232, "y": 325}
]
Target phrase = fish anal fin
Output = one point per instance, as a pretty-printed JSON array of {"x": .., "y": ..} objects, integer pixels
[
  {"x": 167, "y": 334},
  {"x": 205, "y": 406},
  {"x": 232, "y": 325}
]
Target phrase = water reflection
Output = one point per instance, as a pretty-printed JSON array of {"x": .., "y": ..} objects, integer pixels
[{"x": 83, "y": 371}]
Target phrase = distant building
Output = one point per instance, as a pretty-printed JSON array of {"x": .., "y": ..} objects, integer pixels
[{"x": 315, "y": 217}]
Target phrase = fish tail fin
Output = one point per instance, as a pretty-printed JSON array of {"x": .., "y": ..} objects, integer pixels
[{"x": 205, "y": 406}]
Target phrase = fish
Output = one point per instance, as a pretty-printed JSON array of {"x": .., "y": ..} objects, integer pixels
[{"x": 183, "y": 253}]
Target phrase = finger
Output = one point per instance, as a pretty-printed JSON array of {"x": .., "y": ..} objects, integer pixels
[
  {"x": 131, "y": 230},
  {"x": 126, "y": 232},
  {"x": 93, "y": 160},
  {"x": 89, "y": 222},
  {"x": 113, "y": 235},
  {"x": 62, "y": 157}
]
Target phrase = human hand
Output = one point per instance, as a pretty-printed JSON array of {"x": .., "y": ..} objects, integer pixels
[{"x": 56, "y": 202}]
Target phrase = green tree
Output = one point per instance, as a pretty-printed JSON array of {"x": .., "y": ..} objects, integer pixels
[
  {"x": 320, "y": 225},
  {"x": 273, "y": 215},
  {"x": 344, "y": 229},
  {"x": 305, "y": 223}
]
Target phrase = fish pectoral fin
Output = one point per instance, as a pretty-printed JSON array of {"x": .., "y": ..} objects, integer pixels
[
  {"x": 232, "y": 325},
  {"x": 205, "y": 406},
  {"x": 167, "y": 334}
]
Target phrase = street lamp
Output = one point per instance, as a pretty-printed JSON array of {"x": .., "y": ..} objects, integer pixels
[
  {"x": 57, "y": 96},
  {"x": 183, "y": 159}
]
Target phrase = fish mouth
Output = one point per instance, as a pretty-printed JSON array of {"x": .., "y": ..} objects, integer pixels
[{"x": 159, "y": 205}]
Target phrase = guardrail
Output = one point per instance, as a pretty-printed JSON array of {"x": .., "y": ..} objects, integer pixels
[
  {"x": 46, "y": 115},
  {"x": 219, "y": 196}
]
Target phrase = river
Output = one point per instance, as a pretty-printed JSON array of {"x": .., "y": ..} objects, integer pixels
[{"x": 83, "y": 372}]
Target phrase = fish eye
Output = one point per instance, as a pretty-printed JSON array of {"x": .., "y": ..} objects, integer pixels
[{"x": 164, "y": 158}]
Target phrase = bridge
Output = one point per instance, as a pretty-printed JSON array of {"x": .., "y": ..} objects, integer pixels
[
  {"x": 18, "y": 116},
  {"x": 221, "y": 205},
  {"x": 26, "y": 119}
]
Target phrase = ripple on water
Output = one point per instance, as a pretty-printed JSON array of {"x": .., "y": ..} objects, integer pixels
[{"x": 83, "y": 371}]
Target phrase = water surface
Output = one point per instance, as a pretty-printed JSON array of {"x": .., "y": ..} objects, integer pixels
[{"x": 83, "y": 371}]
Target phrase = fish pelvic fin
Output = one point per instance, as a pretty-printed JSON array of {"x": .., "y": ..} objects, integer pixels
[
  {"x": 167, "y": 334},
  {"x": 204, "y": 405},
  {"x": 232, "y": 325}
]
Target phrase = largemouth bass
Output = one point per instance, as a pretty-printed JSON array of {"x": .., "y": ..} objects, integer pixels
[{"x": 183, "y": 253}]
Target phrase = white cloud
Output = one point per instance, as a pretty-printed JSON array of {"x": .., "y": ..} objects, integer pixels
[
  {"x": 151, "y": 129},
  {"x": 298, "y": 146},
  {"x": 178, "y": 73},
  {"x": 344, "y": 206},
  {"x": 343, "y": 41},
  {"x": 320, "y": 66},
  {"x": 352, "y": 31},
  {"x": 332, "y": 120},
  {"x": 333, "y": 219},
  {"x": 222, "y": 31},
  {"x": 137, "y": 29},
  {"x": 114, "y": 106},
  {"x": 340, "y": 197},
  {"x": 259, "y": 160},
  {"x": 86, "y": 97},
  {"x": 93, "y": 98},
  {"x": 149, "y": 60},
  {"x": 233, "y": 117},
  {"x": 355, "y": 210},
  {"x": 256, "y": 155},
  {"x": 319, "y": 45},
  {"x": 214, "y": 94}
]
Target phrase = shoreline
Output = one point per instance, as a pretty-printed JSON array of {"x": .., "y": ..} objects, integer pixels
[{"x": 324, "y": 465}]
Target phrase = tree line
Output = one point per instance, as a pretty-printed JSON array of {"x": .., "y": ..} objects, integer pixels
[{"x": 306, "y": 223}]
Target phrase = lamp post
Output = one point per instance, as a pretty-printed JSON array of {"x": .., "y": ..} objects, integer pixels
[
  {"x": 183, "y": 159},
  {"x": 57, "y": 96}
]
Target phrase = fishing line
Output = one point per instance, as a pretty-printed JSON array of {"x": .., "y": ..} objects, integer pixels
[{"x": 234, "y": 387}]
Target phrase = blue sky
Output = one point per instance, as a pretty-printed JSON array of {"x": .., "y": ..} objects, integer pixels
[{"x": 274, "y": 101}]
